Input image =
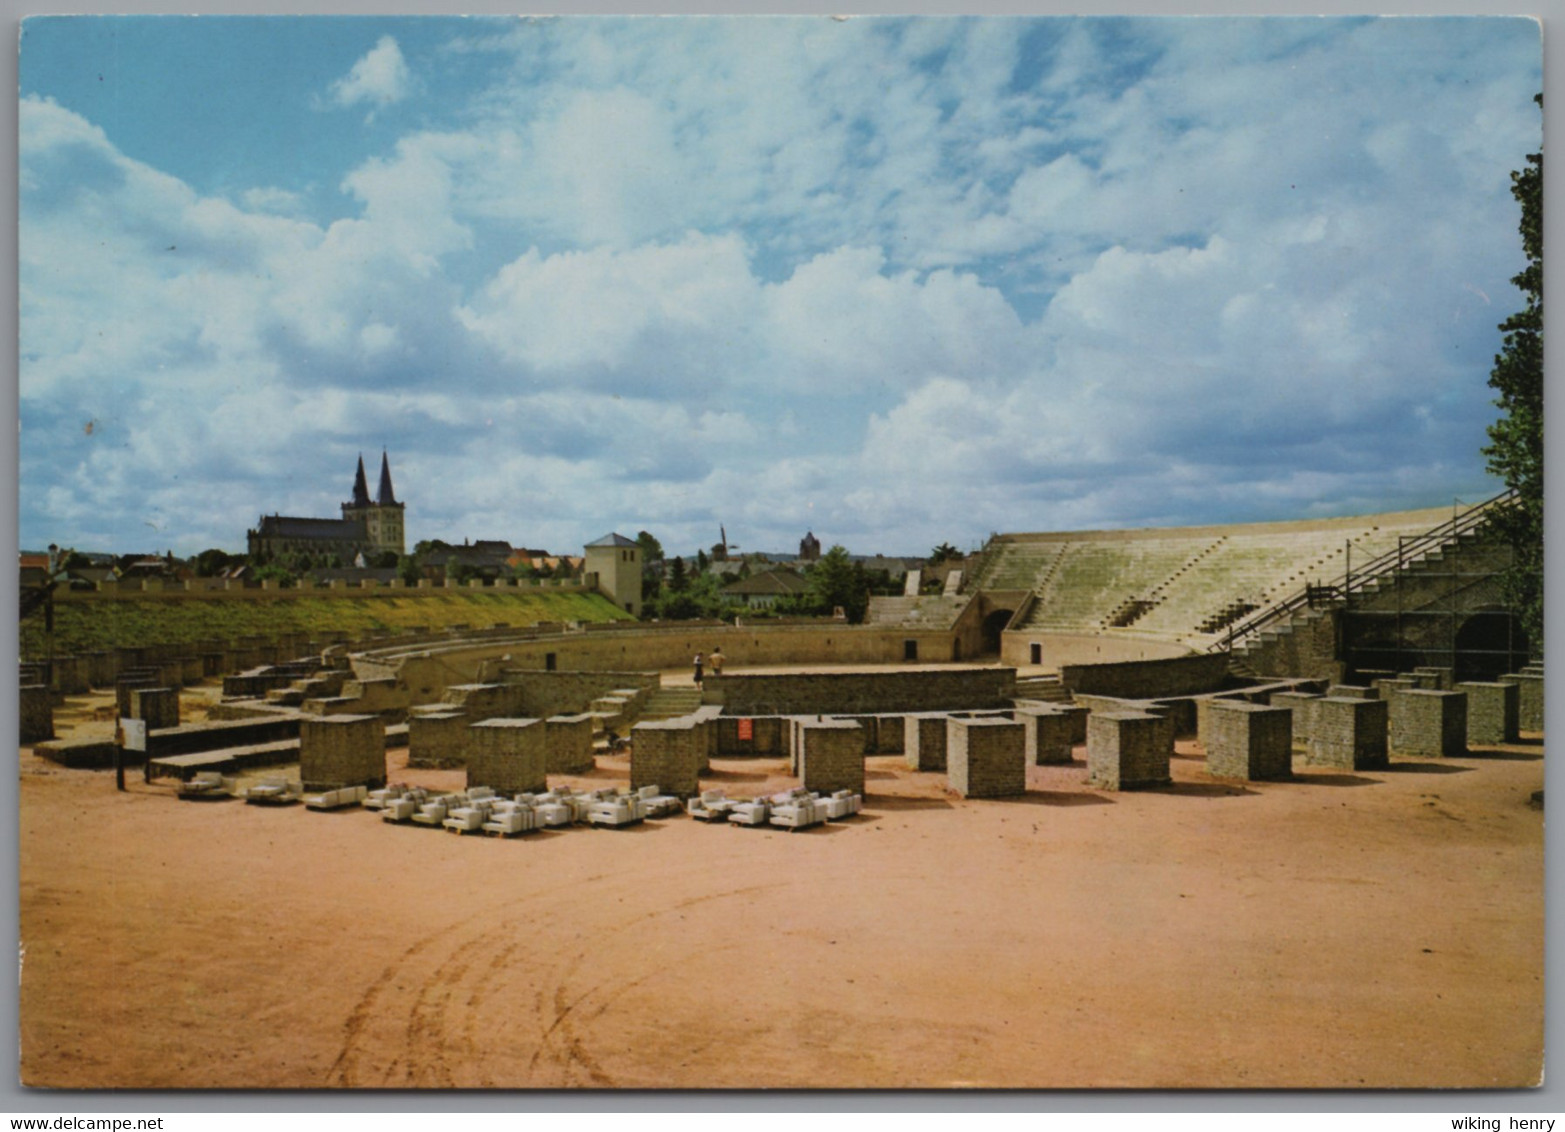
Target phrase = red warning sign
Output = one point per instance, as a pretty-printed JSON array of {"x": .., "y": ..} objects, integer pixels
[{"x": 746, "y": 730}]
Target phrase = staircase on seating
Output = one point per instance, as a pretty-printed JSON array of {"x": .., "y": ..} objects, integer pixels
[
  {"x": 1046, "y": 688},
  {"x": 670, "y": 703}
]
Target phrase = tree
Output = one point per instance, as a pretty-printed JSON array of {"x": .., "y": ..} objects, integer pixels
[
  {"x": 836, "y": 581},
  {"x": 651, "y": 548},
  {"x": 702, "y": 562},
  {"x": 212, "y": 562},
  {"x": 677, "y": 580},
  {"x": 1516, "y": 451},
  {"x": 408, "y": 570},
  {"x": 942, "y": 552}
]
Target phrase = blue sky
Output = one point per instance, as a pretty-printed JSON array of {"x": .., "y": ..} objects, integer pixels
[{"x": 896, "y": 281}]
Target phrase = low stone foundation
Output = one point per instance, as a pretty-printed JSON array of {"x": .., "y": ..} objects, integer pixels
[
  {"x": 986, "y": 757},
  {"x": 1429, "y": 723},
  {"x": 1249, "y": 741},
  {"x": 1127, "y": 750},
  {"x": 1302, "y": 704}
]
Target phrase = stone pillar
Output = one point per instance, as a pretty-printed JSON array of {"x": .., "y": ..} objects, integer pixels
[
  {"x": 1391, "y": 684},
  {"x": 1127, "y": 750},
  {"x": 924, "y": 740},
  {"x": 1353, "y": 692},
  {"x": 1429, "y": 723},
  {"x": 71, "y": 675},
  {"x": 123, "y": 687},
  {"x": 1349, "y": 734},
  {"x": 37, "y": 711},
  {"x": 987, "y": 757},
  {"x": 832, "y": 756},
  {"x": 1433, "y": 678},
  {"x": 158, "y": 706},
  {"x": 1529, "y": 698},
  {"x": 890, "y": 734},
  {"x": 1047, "y": 735},
  {"x": 568, "y": 744},
  {"x": 1249, "y": 741},
  {"x": 668, "y": 753},
  {"x": 1492, "y": 712},
  {"x": 438, "y": 739},
  {"x": 342, "y": 750},
  {"x": 508, "y": 756}
]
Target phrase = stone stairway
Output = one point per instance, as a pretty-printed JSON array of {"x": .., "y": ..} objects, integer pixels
[
  {"x": 670, "y": 703},
  {"x": 1047, "y": 688}
]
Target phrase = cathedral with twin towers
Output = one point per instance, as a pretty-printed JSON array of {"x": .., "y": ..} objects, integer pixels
[{"x": 367, "y": 528}]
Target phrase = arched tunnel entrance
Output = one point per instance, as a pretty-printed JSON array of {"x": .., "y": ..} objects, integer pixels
[{"x": 993, "y": 625}]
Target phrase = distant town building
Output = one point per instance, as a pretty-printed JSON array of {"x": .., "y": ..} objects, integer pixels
[
  {"x": 616, "y": 560},
  {"x": 366, "y": 527},
  {"x": 764, "y": 589},
  {"x": 809, "y": 547}
]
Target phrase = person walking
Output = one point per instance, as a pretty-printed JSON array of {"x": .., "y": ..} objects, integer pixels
[{"x": 699, "y": 662}]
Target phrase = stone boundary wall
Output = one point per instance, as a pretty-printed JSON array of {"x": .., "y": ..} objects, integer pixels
[
  {"x": 1061, "y": 649},
  {"x": 216, "y": 589},
  {"x": 1148, "y": 679},
  {"x": 862, "y": 693}
]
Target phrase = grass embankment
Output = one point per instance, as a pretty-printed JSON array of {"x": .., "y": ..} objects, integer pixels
[{"x": 128, "y": 622}]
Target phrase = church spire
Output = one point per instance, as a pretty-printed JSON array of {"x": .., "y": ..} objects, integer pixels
[
  {"x": 385, "y": 497},
  {"x": 361, "y": 490}
]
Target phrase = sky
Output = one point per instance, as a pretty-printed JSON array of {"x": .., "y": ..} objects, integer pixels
[{"x": 894, "y": 281}]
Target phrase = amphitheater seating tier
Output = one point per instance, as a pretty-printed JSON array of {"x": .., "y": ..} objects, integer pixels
[{"x": 1183, "y": 584}]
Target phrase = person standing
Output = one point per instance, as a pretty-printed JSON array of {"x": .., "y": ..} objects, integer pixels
[
  {"x": 717, "y": 661},
  {"x": 699, "y": 662}
]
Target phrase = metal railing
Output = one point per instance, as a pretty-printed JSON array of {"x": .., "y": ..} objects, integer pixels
[{"x": 1409, "y": 549}]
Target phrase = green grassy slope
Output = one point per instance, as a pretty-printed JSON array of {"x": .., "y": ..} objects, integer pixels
[{"x": 90, "y": 626}]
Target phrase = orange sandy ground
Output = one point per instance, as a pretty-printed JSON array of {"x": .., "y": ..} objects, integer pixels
[{"x": 1339, "y": 930}]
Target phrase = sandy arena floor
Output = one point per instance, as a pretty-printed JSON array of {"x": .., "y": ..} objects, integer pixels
[{"x": 1341, "y": 930}]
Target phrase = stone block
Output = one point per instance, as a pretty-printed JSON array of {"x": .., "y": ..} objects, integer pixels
[
  {"x": 1353, "y": 692},
  {"x": 1441, "y": 679},
  {"x": 568, "y": 744},
  {"x": 924, "y": 740},
  {"x": 1249, "y": 741},
  {"x": 37, "y": 712},
  {"x": 342, "y": 750},
  {"x": 1302, "y": 704},
  {"x": 1203, "y": 713},
  {"x": 507, "y": 755},
  {"x": 890, "y": 734},
  {"x": 1492, "y": 712},
  {"x": 1349, "y": 733},
  {"x": 832, "y": 755},
  {"x": 1127, "y": 750},
  {"x": 668, "y": 753},
  {"x": 1529, "y": 698},
  {"x": 1429, "y": 723},
  {"x": 438, "y": 740},
  {"x": 986, "y": 757},
  {"x": 124, "y": 687},
  {"x": 1047, "y": 735},
  {"x": 158, "y": 706},
  {"x": 1387, "y": 685}
]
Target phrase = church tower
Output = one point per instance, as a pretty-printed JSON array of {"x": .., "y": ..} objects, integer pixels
[{"x": 382, "y": 519}]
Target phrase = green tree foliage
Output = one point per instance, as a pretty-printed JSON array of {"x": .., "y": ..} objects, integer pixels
[
  {"x": 1516, "y": 451},
  {"x": 700, "y": 597},
  {"x": 836, "y": 581},
  {"x": 409, "y": 570},
  {"x": 942, "y": 552},
  {"x": 677, "y": 579},
  {"x": 651, "y": 548},
  {"x": 212, "y": 562}
]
